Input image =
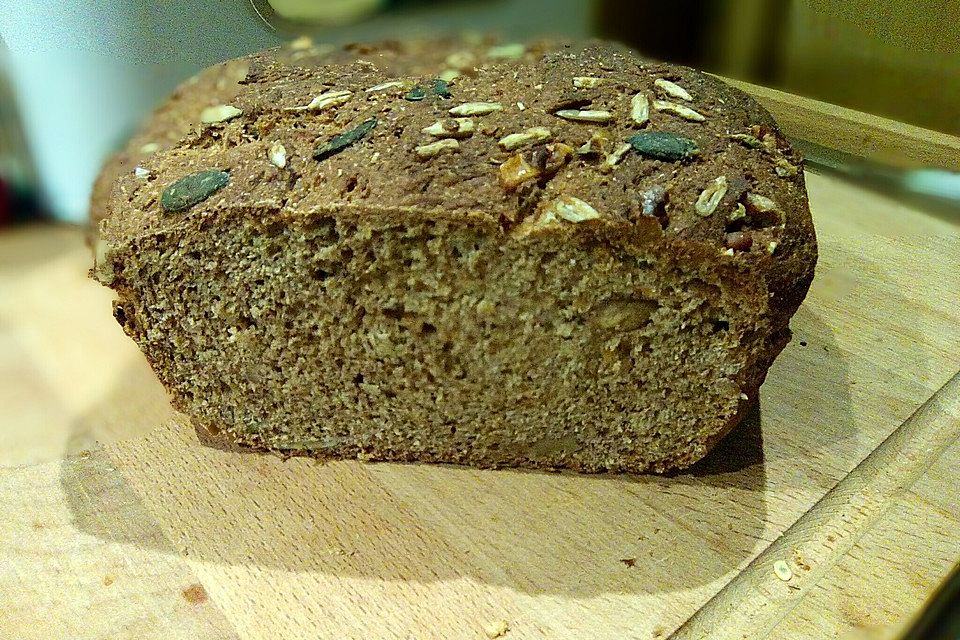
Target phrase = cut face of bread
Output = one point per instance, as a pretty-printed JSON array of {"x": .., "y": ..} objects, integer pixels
[
  {"x": 474, "y": 272},
  {"x": 446, "y": 342}
]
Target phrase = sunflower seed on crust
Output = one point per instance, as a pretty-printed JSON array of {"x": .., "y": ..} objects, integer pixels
[
  {"x": 672, "y": 89},
  {"x": 710, "y": 197},
  {"x": 383, "y": 86},
  {"x": 640, "y": 109},
  {"x": 531, "y": 135},
  {"x": 475, "y": 108},
  {"x": 585, "y": 82},
  {"x": 589, "y": 115},
  {"x": 447, "y": 145},
  {"x": 784, "y": 169},
  {"x": 747, "y": 140},
  {"x": 614, "y": 157},
  {"x": 451, "y": 128},
  {"x": 598, "y": 143},
  {"x": 572, "y": 209},
  {"x": 678, "y": 109},
  {"x": 738, "y": 214},
  {"x": 277, "y": 154},
  {"x": 325, "y": 100},
  {"x": 761, "y": 203},
  {"x": 219, "y": 113}
]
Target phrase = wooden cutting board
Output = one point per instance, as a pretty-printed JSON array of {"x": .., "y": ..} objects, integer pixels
[{"x": 844, "y": 481}]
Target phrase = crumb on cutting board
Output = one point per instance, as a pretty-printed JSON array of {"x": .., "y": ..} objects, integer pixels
[
  {"x": 782, "y": 570},
  {"x": 195, "y": 594},
  {"x": 497, "y": 629}
]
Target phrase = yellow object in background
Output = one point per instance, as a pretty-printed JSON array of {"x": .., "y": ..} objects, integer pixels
[
  {"x": 897, "y": 59},
  {"x": 900, "y": 60},
  {"x": 325, "y": 11}
]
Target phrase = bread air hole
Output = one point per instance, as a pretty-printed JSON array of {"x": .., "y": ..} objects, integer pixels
[{"x": 719, "y": 325}]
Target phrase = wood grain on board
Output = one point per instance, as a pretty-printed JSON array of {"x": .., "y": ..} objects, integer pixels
[
  {"x": 856, "y": 133},
  {"x": 150, "y": 535}
]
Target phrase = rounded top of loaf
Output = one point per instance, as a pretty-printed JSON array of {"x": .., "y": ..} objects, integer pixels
[
  {"x": 583, "y": 138},
  {"x": 219, "y": 83}
]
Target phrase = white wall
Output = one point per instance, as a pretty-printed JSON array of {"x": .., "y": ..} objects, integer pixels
[{"x": 84, "y": 76}]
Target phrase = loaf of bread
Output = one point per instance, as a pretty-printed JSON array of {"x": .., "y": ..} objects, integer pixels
[{"x": 585, "y": 261}]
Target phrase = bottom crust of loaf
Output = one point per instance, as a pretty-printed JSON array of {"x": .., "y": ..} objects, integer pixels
[{"x": 385, "y": 339}]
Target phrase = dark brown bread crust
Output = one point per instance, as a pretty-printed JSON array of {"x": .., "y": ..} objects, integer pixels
[
  {"x": 180, "y": 113},
  {"x": 737, "y": 113},
  {"x": 756, "y": 243}
]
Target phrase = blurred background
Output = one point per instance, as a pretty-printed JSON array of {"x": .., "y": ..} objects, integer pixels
[{"x": 77, "y": 77}]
